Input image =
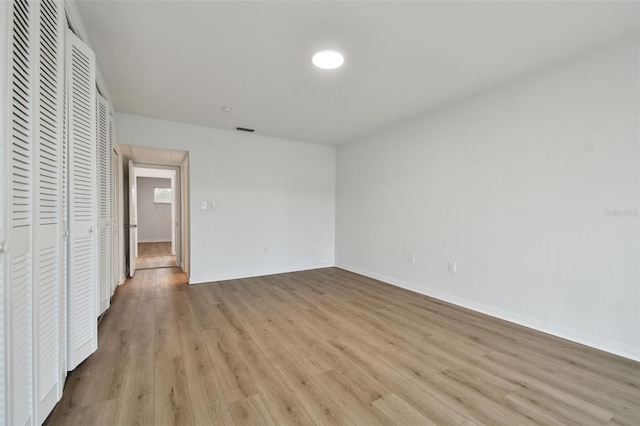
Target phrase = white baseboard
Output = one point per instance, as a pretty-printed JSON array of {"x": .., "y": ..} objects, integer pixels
[
  {"x": 226, "y": 277},
  {"x": 597, "y": 342},
  {"x": 162, "y": 240}
]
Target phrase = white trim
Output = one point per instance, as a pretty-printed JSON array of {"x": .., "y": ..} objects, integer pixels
[
  {"x": 611, "y": 346},
  {"x": 154, "y": 241},
  {"x": 155, "y": 173}
]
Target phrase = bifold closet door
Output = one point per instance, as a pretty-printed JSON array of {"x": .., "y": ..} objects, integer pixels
[
  {"x": 113, "y": 181},
  {"x": 49, "y": 370},
  {"x": 33, "y": 226},
  {"x": 19, "y": 208},
  {"x": 3, "y": 144},
  {"x": 105, "y": 250},
  {"x": 83, "y": 291},
  {"x": 115, "y": 212}
]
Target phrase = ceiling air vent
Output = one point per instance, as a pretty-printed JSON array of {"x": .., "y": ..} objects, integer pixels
[{"x": 244, "y": 129}]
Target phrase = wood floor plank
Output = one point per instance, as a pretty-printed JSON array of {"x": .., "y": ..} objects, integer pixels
[
  {"x": 610, "y": 395},
  {"x": 560, "y": 409},
  {"x": 206, "y": 393},
  {"x": 401, "y": 413},
  {"x": 619, "y": 420},
  {"x": 281, "y": 403},
  {"x": 293, "y": 339},
  {"x": 535, "y": 390},
  {"x": 349, "y": 399},
  {"x": 99, "y": 413},
  {"x": 320, "y": 406},
  {"x": 136, "y": 400},
  {"x": 622, "y": 390},
  {"x": 250, "y": 411},
  {"x": 404, "y": 383},
  {"x": 172, "y": 401},
  {"x": 232, "y": 371},
  {"x": 327, "y": 347},
  {"x": 155, "y": 255}
]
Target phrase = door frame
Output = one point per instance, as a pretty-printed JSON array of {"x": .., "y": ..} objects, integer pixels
[
  {"x": 133, "y": 219},
  {"x": 174, "y": 173}
]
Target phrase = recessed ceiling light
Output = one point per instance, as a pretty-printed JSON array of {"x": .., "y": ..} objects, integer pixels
[
  {"x": 328, "y": 59},
  {"x": 226, "y": 108}
]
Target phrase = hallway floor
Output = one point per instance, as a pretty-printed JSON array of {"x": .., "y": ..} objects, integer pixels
[{"x": 155, "y": 255}]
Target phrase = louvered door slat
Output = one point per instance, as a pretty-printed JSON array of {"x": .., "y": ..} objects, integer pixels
[
  {"x": 82, "y": 277},
  {"x": 20, "y": 261},
  {"x": 49, "y": 78}
]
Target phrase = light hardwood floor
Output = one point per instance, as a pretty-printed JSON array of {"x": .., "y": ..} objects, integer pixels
[
  {"x": 330, "y": 347},
  {"x": 155, "y": 255}
]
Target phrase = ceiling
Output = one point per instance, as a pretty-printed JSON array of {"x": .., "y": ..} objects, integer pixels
[{"x": 184, "y": 61}]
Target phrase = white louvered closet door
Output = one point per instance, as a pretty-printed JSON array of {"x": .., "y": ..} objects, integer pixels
[
  {"x": 19, "y": 208},
  {"x": 64, "y": 243},
  {"x": 113, "y": 229},
  {"x": 105, "y": 252},
  {"x": 3, "y": 145},
  {"x": 82, "y": 269},
  {"x": 48, "y": 250},
  {"x": 115, "y": 211}
]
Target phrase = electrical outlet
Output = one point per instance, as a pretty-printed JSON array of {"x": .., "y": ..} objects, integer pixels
[
  {"x": 412, "y": 257},
  {"x": 452, "y": 267}
]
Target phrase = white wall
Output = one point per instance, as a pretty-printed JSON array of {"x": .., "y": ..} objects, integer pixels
[
  {"x": 517, "y": 186},
  {"x": 154, "y": 220},
  {"x": 269, "y": 193}
]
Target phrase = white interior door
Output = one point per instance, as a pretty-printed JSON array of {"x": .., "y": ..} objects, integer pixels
[
  {"x": 133, "y": 219},
  {"x": 48, "y": 226},
  {"x": 103, "y": 162},
  {"x": 82, "y": 271}
]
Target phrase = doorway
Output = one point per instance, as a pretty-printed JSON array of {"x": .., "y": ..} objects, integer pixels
[
  {"x": 158, "y": 220},
  {"x": 156, "y": 210}
]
